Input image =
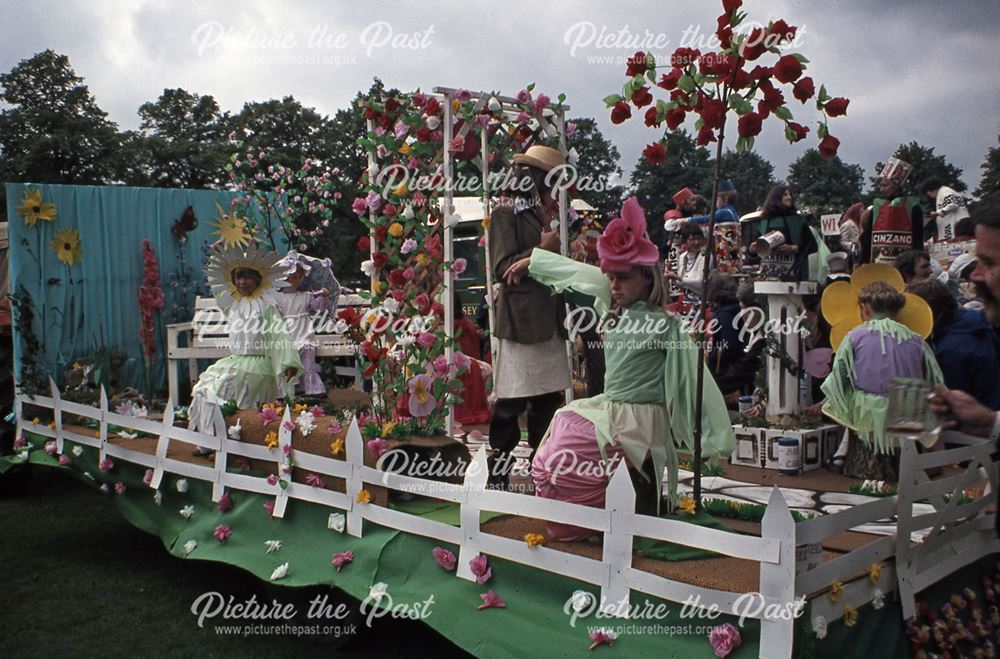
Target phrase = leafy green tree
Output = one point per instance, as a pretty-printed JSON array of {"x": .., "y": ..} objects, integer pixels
[
  {"x": 185, "y": 141},
  {"x": 286, "y": 131},
  {"x": 824, "y": 185},
  {"x": 752, "y": 175},
  {"x": 596, "y": 164},
  {"x": 990, "y": 182}
]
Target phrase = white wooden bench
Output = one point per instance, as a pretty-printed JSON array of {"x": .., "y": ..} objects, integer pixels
[{"x": 207, "y": 337}]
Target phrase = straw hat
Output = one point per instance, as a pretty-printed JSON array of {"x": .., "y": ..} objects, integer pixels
[{"x": 542, "y": 157}]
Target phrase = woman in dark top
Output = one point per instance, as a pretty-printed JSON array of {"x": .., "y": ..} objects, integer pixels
[{"x": 790, "y": 260}]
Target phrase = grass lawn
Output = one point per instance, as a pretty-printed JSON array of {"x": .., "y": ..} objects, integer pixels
[{"x": 78, "y": 580}]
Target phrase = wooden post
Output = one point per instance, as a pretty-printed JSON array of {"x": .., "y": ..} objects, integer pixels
[
  {"x": 620, "y": 504},
  {"x": 777, "y": 581},
  {"x": 162, "y": 444},
  {"x": 57, "y": 414},
  {"x": 355, "y": 459}
]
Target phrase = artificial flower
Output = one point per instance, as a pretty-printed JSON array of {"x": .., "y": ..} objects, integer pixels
[
  {"x": 342, "y": 559},
  {"x": 120, "y": 488},
  {"x": 66, "y": 245},
  {"x": 836, "y": 591},
  {"x": 272, "y": 479},
  {"x": 182, "y": 485},
  {"x": 147, "y": 476},
  {"x": 298, "y": 408},
  {"x": 104, "y": 488},
  {"x": 655, "y": 153},
  {"x": 64, "y": 460},
  {"x": 271, "y": 439},
  {"x": 581, "y": 600},
  {"x": 850, "y": 615},
  {"x": 269, "y": 506},
  {"x": 187, "y": 511},
  {"x": 306, "y": 422},
  {"x": 336, "y": 522},
  {"x": 124, "y": 434},
  {"x": 724, "y": 639},
  {"x": 480, "y": 567},
  {"x": 874, "y": 572},
  {"x": 602, "y": 637},
  {"x": 280, "y": 572},
  {"x": 190, "y": 546},
  {"x": 337, "y": 446},
  {"x": 22, "y": 441},
  {"x": 688, "y": 505},
  {"x": 106, "y": 465},
  {"x": 421, "y": 401},
  {"x": 317, "y": 412},
  {"x": 272, "y": 546},
  {"x": 315, "y": 480},
  {"x": 50, "y": 447},
  {"x": 268, "y": 415},
  {"x": 77, "y": 450},
  {"x": 32, "y": 208},
  {"x": 819, "y": 626},
  {"x": 408, "y": 245},
  {"x": 836, "y": 107},
  {"x": 491, "y": 601},
  {"x": 158, "y": 498},
  {"x": 878, "y": 599},
  {"x": 363, "y": 496},
  {"x": 459, "y": 266},
  {"x": 377, "y": 591},
  {"x": 225, "y": 503},
  {"x": 534, "y": 539},
  {"x": 395, "y": 229},
  {"x": 222, "y": 533},
  {"x": 444, "y": 558},
  {"x": 288, "y": 425},
  {"x": 828, "y": 146}
]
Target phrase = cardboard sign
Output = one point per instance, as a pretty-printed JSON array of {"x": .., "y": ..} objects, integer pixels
[{"x": 830, "y": 224}]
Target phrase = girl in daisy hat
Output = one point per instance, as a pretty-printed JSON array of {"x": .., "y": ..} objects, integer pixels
[
  {"x": 647, "y": 410},
  {"x": 264, "y": 363}
]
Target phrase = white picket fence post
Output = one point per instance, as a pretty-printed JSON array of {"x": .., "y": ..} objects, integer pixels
[
  {"x": 777, "y": 580},
  {"x": 103, "y": 432},
  {"x": 355, "y": 463},
  {"x": 908, "y": 479},
  {"x": 162, "y": 444},
  {"x": 620, "y": 504},
  {"x": 284, "y": 464},
  {"x": 475, "y": 488}
]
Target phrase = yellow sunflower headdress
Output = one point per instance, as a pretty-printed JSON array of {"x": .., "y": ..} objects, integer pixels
[
  {"x": 840, "y": 303},
  {"x": 220, "y": 275}
]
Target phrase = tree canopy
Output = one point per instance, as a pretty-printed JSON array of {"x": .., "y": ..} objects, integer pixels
[{"x": 824, "y": 185}]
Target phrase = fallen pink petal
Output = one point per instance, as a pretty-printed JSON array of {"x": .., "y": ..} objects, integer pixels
[
  {"x": 491, "y": 601},
  {"x": 342, "y": 559},
  {"x": 222, "y": 533}
]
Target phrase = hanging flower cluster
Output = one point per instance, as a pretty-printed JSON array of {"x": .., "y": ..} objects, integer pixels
[
  {"x": 402, "y": 337},
  {"x": 710, "y": 85},
  {"x": 150, "y": 300}
]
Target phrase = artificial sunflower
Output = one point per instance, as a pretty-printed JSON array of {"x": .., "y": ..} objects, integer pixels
[
  {"x": 67, "y": 246},
  {"x": 232, "y": 229},
  {"x": 32, "y": 208}
]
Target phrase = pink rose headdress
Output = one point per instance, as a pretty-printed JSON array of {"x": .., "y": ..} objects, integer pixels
[{"x": 625, "y": 242}]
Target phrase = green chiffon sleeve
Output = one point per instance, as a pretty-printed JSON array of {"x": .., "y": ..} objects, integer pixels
[
  {"x": 583, "y": 285},
  {"x": 281, "y": 350},
  {"x": 679, "y": 380}
]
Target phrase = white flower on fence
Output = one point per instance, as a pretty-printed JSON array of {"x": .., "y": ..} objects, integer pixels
[
  {"x": 235, "y": 432},
  {"x": 306, "y": 422}
]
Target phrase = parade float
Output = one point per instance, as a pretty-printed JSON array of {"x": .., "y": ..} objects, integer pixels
[{"x": 301, "y": 494}]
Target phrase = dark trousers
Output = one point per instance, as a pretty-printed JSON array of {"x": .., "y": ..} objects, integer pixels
[{"x": 505, "y": 433}]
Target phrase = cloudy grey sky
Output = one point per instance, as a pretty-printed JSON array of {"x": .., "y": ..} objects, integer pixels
[{"x": 916, "y": 70}]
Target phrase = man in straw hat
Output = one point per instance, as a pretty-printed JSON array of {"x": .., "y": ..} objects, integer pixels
[{"x": 531, "y": 370}]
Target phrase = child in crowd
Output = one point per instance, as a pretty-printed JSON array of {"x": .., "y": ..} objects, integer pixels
[
  {"x": 647, "y": 409},
  {"x": 296, "y": 307}
]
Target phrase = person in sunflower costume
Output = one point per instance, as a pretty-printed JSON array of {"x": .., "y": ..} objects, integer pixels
[
  {"x": 264, "y": 363},
  {"x": 883, "y": 346}
]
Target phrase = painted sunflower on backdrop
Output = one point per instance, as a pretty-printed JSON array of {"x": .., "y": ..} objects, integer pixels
[
  {"x": 32, "y": 208},
  {"x": 67, "y": 246}
]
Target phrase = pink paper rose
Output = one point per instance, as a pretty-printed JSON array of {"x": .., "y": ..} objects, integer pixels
[
  {"x": 481, "y": 568},
  {"x": 444, "y": 558},
  {"x": 624, "y": 242},
  {"x": 724, "y": 639}
]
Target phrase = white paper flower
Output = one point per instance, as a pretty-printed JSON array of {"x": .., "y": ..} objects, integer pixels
[
  {"x": 124, "y": 434},
  {"x": 306, "y": 422},
  {"x": 158, "y": 498},
  {"x": 391, "y": 305},
  {"x": 572, "y": 156},
  {"x": 405, "y": 340},
  {"x": 187, "y": 511},
  {"x": 581, "y": 600},
  {"x": 433, "y": 122},
  {"x": 182, "y": 485},
  {"x": 378, "y": 591},
  {"x": 234, "y": 432},
  {"x": 336, "y": 522},
  {"x": 819, "y": 626},
  {"x": 408, "y": 212},
  {"x": 23, "y": 455},
  {"x": 368, "y": 267},
  {"x": 78, "y": 450},
  {"x": 452, "y": 220},
  {"x": 272, "y": 546},
  {"x": 280, "y": 572},
  {"x": 878, "y": 599},
  {"x": 493, "y": 104},
  {"x": 189, "y": 546}
]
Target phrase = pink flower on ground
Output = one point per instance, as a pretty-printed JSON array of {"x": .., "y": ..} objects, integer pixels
[
  {"x": 491, "y": 601},
  {"x": 335, "y": 426},
  {"x": 316, "y": 411},
  {"x": 269, "y": 507},
  {"x": 376, "y": 447},
  {"x": 225, "y": 503},
  {"x": 119, "y": 488},
  {"x": 459, "y": 266},
  {"x": 64, "y": 460},
  {"x": 724, "y": 639},
  {"x": 20, "y": 442},
  {"x": 342, "y": 559},
  {"x": 602, "y": 637},
  {"x": 50, "y": 447},
  {"x": 481, "y": 568},
  {"x": 426, "y": 339},
  {"x": 268, "y": 416},
  {"x": 315, "y": 480},
  {"x": 147, "y": 477},
  {"x": 106, "y": 465},
  {"x": 222, "y": 533},
  {"x": 444, "y": 558},
  {"x": 422, "y": 401}
]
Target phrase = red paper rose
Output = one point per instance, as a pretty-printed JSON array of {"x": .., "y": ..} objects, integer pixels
[
  {"x": 650, "y": 118},
  {"x": 655, "y": 153},
  {"x": 641, "y": 97},
  {"x": 620, "y": 112},
  {"x": 675, "y": 118},
  {"x": 783, "y": 31},
  {"x": 364, "y": 244},
  {"x": 804, "y": 89},
  {"x": 828, "y": 147},
  {"x": 836, "y": 107},
  {"x": 795, "y": 132},
  {"x": 713, "y": 113},
  {"x": 729, "y": 6},
  {"x": 668, "y": 81},
  {"x": 636, "y": 65},
  {"x": 753, "y": 46},
  {"x": 380, "y": 259},
  {"x": 683, "y": 57},
  {"x": 715, "y": 64},
  {"x": 705, "y": 135},
  {"x": 788, "y": 69},
  {"x": 749, "y": 124}
]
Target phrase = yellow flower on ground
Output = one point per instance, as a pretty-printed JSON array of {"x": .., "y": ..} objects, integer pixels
[
  {"x": 32, "y": 208},
  {"x": 364, "y": 496},
  {"x": 534, "y": 539},
  {"x": 231, "y": 229},
  {"x": 874, "y": 572},
  {"x": 850, "y": 615},
  {"x": 337, "y": 446},
  {"x": 300, "y": 407},
  {"x": 271, "y": 439},
  {"x": 395, "y": 229},
  {"x": 836, "y": 591},
  {"x": 67, "y": 246},
  {"x": 687, "y": 505}
]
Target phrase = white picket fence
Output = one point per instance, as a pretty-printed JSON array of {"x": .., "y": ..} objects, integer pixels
[{"x": 774, "y": 550}]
